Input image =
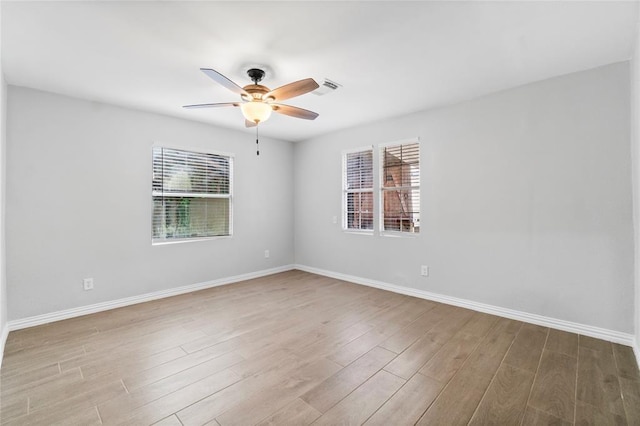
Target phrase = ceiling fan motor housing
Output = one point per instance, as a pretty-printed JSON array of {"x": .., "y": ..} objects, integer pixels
[{"x": 257, "y": 91}]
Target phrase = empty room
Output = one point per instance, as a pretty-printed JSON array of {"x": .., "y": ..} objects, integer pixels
[{"x": 315, "y": 212}]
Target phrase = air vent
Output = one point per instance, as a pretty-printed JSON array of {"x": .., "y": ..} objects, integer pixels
[{"x": 327, "y": 86}]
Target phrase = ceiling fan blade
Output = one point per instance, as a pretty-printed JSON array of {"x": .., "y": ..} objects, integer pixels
[
  {"x": 292, "y": 90},
  {"x": 248, "y": 123},
  {"x": 294, "y": 111},
  {"x": 221, "y": 79},
  {"x": 223, "y": 104}
]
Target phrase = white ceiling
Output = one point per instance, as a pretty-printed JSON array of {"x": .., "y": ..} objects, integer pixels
[{"x": 391, "y": 57}]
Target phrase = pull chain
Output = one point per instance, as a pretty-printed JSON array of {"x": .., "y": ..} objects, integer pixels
[{"x": 257, "y": 145}]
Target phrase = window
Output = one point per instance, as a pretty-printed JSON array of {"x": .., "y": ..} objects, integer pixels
[
  {"x": 400, "y": 186},
  {"x": 358, "y": 189},
  {"x": 191, "y": 195}
]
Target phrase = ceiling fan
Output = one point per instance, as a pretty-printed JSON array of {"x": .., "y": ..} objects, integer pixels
[{"x": 259, "y": 101}]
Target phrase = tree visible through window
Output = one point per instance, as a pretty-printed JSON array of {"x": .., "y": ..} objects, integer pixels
[
  {"x": 191, "y": 195},
  {"x": 358, "y": 189},
  {"x": 400, "y": 187}
]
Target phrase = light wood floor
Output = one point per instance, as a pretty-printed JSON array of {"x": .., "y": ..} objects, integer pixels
[{"x": 296, "y": 348}]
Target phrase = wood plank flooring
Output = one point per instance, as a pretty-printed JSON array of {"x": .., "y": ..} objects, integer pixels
[{"x": 296, "y": 349}]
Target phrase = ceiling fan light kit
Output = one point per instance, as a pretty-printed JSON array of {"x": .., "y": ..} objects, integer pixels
[{"x": 256, "y": 111}]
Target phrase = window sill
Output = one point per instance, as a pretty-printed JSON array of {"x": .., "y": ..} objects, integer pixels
[
  {"x": 356, "y": 232},
  {"x": 187, "y": 240},
  {"x": 393, "y": 234}
]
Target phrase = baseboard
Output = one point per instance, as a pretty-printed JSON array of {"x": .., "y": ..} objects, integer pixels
[
  {"x": 4, "y": 333},
  {"x": 586, "y": 330},
  {"x": 105, "y": 306}
]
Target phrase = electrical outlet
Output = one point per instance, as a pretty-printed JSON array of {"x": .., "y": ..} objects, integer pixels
[
  {"x": 266, "y": 254},
  {"x": 87, "y": 284},
  {"x": 334, "y": 219},
  {"x": 424, "y": 270}
]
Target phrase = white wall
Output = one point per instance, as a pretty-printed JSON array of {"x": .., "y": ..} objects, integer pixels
[
  {"x": 79, "y": 204},
  {"x": 4, "y": 329},
  {"x": 635, "y": 155},
  {"x": 526, "y": 201}
]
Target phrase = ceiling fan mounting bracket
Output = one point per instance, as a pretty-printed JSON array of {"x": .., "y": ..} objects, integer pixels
[{"x": 255, "y": 74}]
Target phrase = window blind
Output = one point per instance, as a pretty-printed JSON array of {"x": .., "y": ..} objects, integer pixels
[
  {"x": 191, "y": 195},
  {"x": 400, "y": 187},
  {"x": 358, "y": 189}
]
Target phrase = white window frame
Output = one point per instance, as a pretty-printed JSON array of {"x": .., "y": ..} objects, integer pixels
[
  {"x": 231, "y": 157},
  {"x": 345, "y": 191},
  {"x": 381, "y": 188}
]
